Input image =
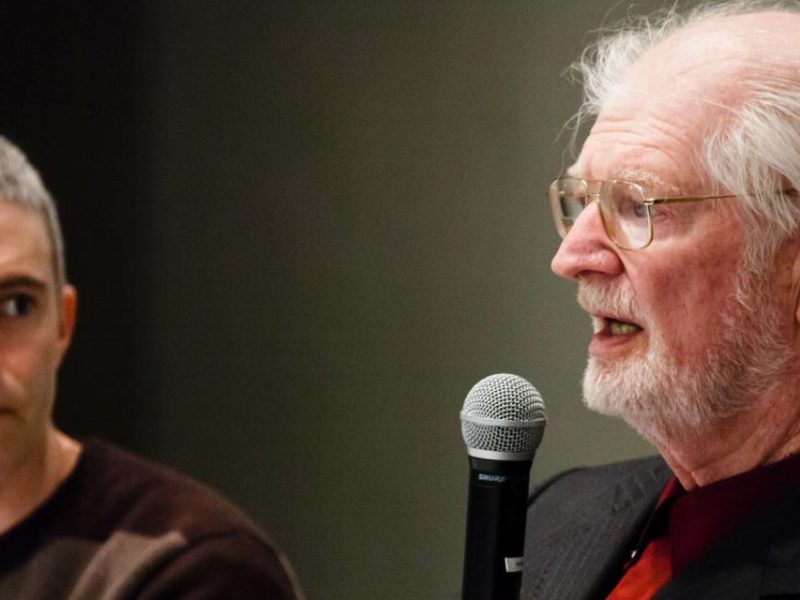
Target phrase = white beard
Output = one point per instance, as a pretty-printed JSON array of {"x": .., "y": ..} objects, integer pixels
[{"x": 660, "y": 398}]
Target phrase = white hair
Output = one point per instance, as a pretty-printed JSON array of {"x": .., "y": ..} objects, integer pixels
[
  {"x": 754, "y": 151},
  {"x": 21, "y": 184}
]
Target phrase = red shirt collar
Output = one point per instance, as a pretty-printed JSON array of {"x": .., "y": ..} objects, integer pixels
[{"x": 707, "y": 514}]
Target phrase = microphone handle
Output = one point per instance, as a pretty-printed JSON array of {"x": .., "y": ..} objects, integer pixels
[{"x": 496, "y": 512}]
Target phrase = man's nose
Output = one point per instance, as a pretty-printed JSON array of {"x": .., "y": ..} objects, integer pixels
[{"x": 586, "y": 248}]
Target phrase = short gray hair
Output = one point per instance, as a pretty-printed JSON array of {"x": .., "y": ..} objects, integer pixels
[
  {"x": 21, "y": 184},
  {"x": 755, "y": 151}
]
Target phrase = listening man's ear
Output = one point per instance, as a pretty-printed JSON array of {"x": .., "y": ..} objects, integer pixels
[
  {"x": 67, "y": 312},
  {"x": 795, "y": 283}
]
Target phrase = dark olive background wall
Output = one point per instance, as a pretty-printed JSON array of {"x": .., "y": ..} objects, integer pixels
[{"x": 302, "y": 231}]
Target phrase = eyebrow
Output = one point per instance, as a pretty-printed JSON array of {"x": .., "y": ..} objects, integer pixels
[
  {"x": 640, "y": 176},
  {"x": 647, "y": 178},
  {"x": 22, "y": 281}
]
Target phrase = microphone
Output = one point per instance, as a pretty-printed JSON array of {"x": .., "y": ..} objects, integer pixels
[{"x": 502, "y": 422}]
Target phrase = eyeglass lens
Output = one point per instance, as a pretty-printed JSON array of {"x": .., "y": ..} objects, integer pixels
[{"x": 625, "y": 216}]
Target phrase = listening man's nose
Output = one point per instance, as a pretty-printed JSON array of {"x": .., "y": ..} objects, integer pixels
[{"x": 586, "y": 248}]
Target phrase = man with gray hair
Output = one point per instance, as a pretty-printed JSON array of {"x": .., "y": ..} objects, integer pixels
[
  {"x": 680, "y": 221},
  {"x": 89, "y": 520}
]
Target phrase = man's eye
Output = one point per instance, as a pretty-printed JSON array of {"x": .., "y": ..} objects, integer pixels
[
  {"x": 17, "y": 305},
  {"x": 630, "y": 208},
  {"x": 638, "y": 209}
]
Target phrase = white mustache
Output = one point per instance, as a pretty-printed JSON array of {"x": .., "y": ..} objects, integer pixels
[{"x": 614, "y": 302}]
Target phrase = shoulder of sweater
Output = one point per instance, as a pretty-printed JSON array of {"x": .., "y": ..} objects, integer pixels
[{"x": 127, "y": 491}]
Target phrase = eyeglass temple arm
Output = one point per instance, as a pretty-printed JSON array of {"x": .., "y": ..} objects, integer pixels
[{"x": 653, "y": 201}]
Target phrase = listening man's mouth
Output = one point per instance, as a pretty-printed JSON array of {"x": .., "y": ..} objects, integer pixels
[{"x": 607, "y": 326}]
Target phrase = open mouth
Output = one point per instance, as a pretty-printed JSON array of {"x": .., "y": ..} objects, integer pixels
[{"x": 606, "y": 326}]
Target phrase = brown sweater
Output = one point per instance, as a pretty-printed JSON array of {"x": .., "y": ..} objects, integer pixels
[{"x": 121, "y": 527}]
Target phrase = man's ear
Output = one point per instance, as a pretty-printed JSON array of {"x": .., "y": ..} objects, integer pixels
[
  {"x": 67, "y": 311},
  {"x": 796, "y": 282}
]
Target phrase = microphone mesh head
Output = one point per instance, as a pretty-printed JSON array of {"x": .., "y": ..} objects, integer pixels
[{"x": 503, "y": 413}]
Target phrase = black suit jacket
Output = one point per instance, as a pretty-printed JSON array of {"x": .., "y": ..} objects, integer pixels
[{"x": 583, "y": 524}]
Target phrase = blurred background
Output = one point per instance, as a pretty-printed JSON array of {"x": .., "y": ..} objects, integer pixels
[{"x": 301, "y": 231}]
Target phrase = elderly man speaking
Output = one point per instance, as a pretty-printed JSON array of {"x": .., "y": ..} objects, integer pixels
[{"x": 680, "y": 221}]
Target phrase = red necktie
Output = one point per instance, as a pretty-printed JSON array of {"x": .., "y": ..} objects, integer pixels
[
  {"x": 653, "y": 570},
  {"x": 648, "y": 575}
]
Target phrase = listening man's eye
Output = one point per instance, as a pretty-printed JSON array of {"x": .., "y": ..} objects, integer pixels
[{"x": 17, "y": 305}]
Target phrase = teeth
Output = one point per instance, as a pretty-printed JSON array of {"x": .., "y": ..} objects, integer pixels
[
  {"x": 618, "y": 328},
  {"x": 601, "y": 324},
  {"x": 598, "y": 324}
]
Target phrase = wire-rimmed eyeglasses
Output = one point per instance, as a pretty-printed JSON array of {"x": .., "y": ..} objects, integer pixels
[{"x": 625, "y": 209}]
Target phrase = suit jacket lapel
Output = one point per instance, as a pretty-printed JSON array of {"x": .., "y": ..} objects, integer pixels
[{"x": 579, "y": 532}]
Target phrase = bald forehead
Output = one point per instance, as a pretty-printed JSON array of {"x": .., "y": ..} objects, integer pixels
[
  {"x": 715, "y": 60},
  {"x": 658, "y": 116}
]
